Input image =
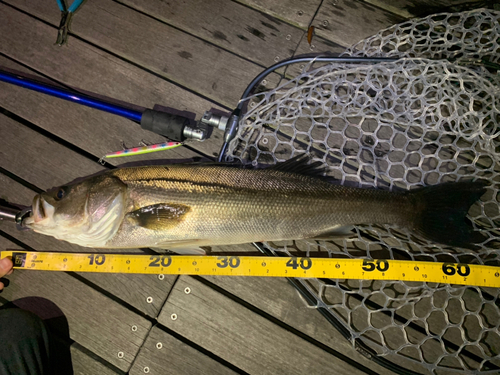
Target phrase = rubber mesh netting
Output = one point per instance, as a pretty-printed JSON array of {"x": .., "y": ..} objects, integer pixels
[{"x": 428, "y": 118}]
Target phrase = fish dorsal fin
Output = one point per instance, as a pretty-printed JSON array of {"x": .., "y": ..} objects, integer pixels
[
  {"x": 299, "y": 164},
  {"x": 159, "y": 216}
]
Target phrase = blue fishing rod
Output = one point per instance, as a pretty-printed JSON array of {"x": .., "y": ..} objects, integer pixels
[{"x": 174, "y": 127}]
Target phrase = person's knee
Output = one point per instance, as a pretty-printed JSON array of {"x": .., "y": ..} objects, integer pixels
[
  {"x": 20, "y": 324},
  {"x": 24, "y": 343}
]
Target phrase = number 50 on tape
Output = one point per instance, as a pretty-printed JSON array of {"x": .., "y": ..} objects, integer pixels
[{"x": 362, "y": 269}]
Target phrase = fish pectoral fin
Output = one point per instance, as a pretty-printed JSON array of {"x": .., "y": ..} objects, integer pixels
[
  {"x": 339, "y": 231},
  {"x": 159, "y": 216}
]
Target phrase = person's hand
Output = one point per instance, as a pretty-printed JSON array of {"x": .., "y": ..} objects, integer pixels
[{"x": 5, "y": 269}]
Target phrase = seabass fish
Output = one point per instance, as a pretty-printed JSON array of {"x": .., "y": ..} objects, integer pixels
[{"x": 183, "y": 207}]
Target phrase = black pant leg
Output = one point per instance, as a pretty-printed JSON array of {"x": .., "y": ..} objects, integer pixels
[{"x": 24, "y": 343}]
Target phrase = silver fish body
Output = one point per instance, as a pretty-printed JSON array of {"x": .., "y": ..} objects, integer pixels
[
  {"x": 187, "y": 206},
  {"x": 215, "y": 205}
]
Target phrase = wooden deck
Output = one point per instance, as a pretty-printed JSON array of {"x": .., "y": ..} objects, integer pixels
[{"x": 192, "y": 56}]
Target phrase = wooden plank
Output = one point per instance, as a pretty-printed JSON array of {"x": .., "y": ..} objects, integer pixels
[
  {"x": 258, "y": 37},
  {"x": 50, "y": 164},
  {"x": 278, "y": 298},
  {"x": 422, "y": 8},
  {"x": 346, "y": 22},
  {"x": 296, "y": 12},
  {"x": 46, "y": 169},
  {"x": 319, "y": 46},
  {"x": 96, "y": 322},
  {"x": 5, "y": 243},
  {"x": 84, "y": 364},
  {"x": 88, "y": 68},
  {"x": 162, "y": 49},
  {"x": 337, "y": 26},
  {"x": 164, "y": 354},
  {"x": 240, "y": 336}
]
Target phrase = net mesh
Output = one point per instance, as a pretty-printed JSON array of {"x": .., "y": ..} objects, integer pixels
[{"x": 429, "y": 118}]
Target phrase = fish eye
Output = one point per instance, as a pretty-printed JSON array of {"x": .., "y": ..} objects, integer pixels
[{"x": 61, "y": 193}]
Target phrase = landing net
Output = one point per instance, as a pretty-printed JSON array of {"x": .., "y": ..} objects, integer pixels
[{"x": 429, "y": 118}]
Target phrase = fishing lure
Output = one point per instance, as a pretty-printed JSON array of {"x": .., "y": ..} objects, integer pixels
[{"x": 142, "y": 150}]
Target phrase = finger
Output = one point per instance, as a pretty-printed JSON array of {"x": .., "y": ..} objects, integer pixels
[
  {"x": 1, "y": 285},
  {"x": 5, "y": 267}
]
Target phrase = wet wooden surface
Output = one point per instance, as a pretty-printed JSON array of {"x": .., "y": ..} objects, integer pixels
[{"x": 192, "y": 57}]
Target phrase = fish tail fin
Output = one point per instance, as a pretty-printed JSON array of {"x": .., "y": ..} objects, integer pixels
[{"x": 443, "y": 209}]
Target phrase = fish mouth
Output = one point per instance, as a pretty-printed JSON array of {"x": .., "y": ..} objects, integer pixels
[{"x": 41, "y": 210}]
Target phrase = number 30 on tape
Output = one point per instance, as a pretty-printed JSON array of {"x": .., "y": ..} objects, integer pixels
[{"x": 362, "y": 269}]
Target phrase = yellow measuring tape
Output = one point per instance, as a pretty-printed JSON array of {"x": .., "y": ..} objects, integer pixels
[{"x": 363, "y": 269}]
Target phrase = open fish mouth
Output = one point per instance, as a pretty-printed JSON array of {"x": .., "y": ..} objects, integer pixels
[{"x": 41, "y": 210}]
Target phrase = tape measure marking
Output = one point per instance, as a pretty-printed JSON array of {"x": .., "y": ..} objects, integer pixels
[{"x": 362, "y": 269}]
